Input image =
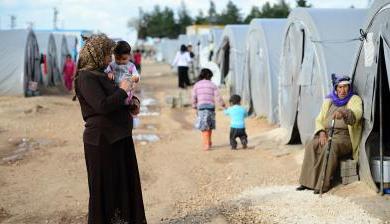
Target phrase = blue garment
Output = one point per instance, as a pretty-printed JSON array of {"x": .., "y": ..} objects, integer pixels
[{"x": 237, "y": 116}]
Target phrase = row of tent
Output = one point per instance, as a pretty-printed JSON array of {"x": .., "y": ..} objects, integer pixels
[
  {"x": 33, "y": 60},
  {"x": 282, "y": 68}
]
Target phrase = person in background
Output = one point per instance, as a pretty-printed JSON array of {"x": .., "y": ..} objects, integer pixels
[
  {"x": 191, "y": 70},
  {"x": 237, "y": 115},
  {"x": 138, "y": 60},
  {"x": 69, "y": 70},
  {"x": 204, "y": 95},
  {"x": 182, "y": 61}
]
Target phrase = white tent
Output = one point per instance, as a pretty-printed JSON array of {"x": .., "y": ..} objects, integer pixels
[
  {"x": 371, "y": 76},
  {"x": 51, "y": 74},
  {"x": 207, "y": 52},
  {"x": 230, "y": 56},
  {"x": 317, "y": 42},
  {"x": 260, "y": 86},
  {"x": 62, "y": 49},
  {"x": 72, "y": 42},
  {"x": 20, "y": 62},
  {"x": 168, "y": 48}
]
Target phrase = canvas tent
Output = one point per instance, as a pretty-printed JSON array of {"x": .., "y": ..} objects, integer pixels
[
  {"x": 20, "y": 61},
  {"x": 231, "y": 56},
  {"x": 62, "y": 49},
  {"x": 371, "y": 81},
  {"x": 51, "y": 75},
  {"x": 207, "y": 52},
  {"x": 72, "y": 42},
  {"x": 317, "y": 42},
  {"x": 260, "y": 86},
  {"x": 168, "y": 48}
]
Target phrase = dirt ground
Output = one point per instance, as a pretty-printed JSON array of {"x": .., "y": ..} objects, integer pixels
[{"x": 43, "y": 176}]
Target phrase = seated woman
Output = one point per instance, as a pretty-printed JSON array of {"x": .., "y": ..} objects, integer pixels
[{"x": 345, "y": 108}]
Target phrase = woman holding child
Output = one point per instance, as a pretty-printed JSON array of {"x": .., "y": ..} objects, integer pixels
[{"x": 113, "y": 177}]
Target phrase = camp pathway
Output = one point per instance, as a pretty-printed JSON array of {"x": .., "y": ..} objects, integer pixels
[{"x": 181, "y": 183}]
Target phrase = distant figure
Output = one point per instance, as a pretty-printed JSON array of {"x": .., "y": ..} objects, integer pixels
[
  {"x": 204, "y": 95},
  {"x": 122, "y": 68},
  {"x": 69, "y": 71},
  {"x": 189, "y": 49},
  {"x": 192, "y": 70},
  {"x": 138, "y": 60},
  {"x": 182, "y": 61}
]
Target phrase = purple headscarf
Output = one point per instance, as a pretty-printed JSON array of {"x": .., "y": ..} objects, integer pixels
[{"x": 337, "y": 79}]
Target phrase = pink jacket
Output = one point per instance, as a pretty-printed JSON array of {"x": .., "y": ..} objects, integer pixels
[{"x": 205, "y": 92}]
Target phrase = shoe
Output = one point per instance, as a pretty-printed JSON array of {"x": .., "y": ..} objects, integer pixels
[
  {"x": 316, "y": 191},
  {"x": 234, "y": 148},
  {"x": 244, "y": 146},
  {"x": 301, "y": 188}
]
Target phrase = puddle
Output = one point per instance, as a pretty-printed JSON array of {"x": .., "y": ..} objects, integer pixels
[
  {"x": 144, "y": 111},
  {"x": 16, "y": 149},
  {"x": 148, "y": 102},
  {"x": 146, "y": 138}
]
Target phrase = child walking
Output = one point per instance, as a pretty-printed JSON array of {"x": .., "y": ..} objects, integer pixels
[
  {"x": 237, "y": 115},
  {"x": 204, "y": 95}
]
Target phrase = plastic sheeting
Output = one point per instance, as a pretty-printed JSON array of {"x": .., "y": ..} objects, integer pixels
[
  {"x": 365, "y": 81},
  {"x": 260, "y": 86},
  {"x": 207, "y": 52},
  {"x": 230, "y": 56},
  {"x": 48, "y": 48},
  {"x": 317, "y": 42},
  {"x": 20, "y": 61}
]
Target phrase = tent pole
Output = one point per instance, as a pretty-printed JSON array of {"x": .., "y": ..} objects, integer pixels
[{"x": 381, "y": 121}]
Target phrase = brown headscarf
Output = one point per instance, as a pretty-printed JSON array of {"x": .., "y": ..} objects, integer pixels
[{"x": 91, "y": 56}]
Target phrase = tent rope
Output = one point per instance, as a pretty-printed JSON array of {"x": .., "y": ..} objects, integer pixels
[{"x": 363, "y": 36}]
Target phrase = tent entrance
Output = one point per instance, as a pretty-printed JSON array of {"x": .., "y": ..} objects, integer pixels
[
  {"x": 380, "y": 134},
  {"x": 226, "y": 61},
  {"x": 295, "y": 135}
]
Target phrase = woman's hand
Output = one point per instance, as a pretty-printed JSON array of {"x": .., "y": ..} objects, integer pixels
[
  {"x": 125, "y": 85},
  {"x": 111, "y": 76},
  {"x": 339, "y": 114},
  {"x": 323, "y": 138}
]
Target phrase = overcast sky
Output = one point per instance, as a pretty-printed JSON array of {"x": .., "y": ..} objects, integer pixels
[{"x": 111, "y": 16}]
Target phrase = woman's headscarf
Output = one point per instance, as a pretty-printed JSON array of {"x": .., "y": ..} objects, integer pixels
[
  {"x": 337, "y": 80},
  {"x": 92, "y": 54}
]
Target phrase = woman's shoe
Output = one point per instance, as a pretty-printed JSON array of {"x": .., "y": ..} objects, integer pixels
[{"x": 301, "y": 188}]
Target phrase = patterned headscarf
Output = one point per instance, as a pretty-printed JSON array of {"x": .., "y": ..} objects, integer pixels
[
  {"x": 91, "y": 56},
  {"x": 93, "y": 52}
]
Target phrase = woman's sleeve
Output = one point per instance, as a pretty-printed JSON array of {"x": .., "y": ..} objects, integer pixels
[
  {"x": 94, "y": 95},
  {"x": 189, "y": 59},
  {"x": 321, "y": 117},
  {"x": 175, "y": 60},
  {"x": 354, "y": 112}
]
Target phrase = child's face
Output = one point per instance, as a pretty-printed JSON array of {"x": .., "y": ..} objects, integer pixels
[{"x": 122, "y": 59}]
